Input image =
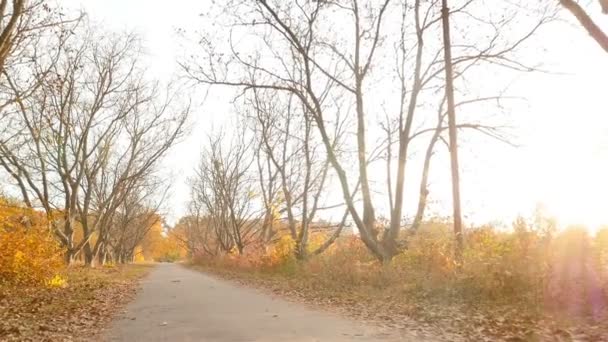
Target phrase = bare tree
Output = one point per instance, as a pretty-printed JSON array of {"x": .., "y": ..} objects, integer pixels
[
  {"x": 131, "y": 224},
  {"x": 89, "y": 130},
  {"x": 290, "y": 144},
  {"x": 225, "y": 188},
  {"x": 298, "y": 54},
  {"x": 195, "y": 234},
  {"x": 267, "y": 177},
  {"x": 31, "y": 38}
]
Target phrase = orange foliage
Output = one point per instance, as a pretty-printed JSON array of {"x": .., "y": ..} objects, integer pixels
[
  {"x": 161, "y": 246},
  {"x": 277, "y": 256}
]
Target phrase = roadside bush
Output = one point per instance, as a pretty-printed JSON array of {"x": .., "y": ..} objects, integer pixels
[
  {"x": 348, "y": 264},
  {"x": 281, "y": 253},
  {"x": 29, "y": 255},
  {"x": 429, "y": 253},
  {"x": 500, "y": 265}
]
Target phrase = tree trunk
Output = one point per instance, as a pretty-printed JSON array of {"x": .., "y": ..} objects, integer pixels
[
  {"x": 89, "y": 256},
  {"x": 587, "y": 23},
  {"x": 301, "y": 252},
  {"x": 69, "y": 256},
  {"x": 68, "y": 241},
  {"x": 102, "y": 257},
  {"x": 449, "y": 89},
  {"x": 268, "y": 227}
]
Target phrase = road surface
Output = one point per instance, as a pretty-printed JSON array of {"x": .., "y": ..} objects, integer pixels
[{"x": 178, "y": 304}]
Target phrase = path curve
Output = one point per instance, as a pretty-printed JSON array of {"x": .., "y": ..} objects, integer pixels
[{"x": 179, "y": 304}]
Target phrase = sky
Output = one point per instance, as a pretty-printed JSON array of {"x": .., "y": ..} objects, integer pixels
[{"x": 562, "y": 129}]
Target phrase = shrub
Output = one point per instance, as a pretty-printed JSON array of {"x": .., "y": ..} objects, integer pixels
[
  {"x": 28, "y": 253},
  {"x": 347, "y": 264},
  {"x": 498, "y": 265},
  {"x": 281, "y": 252},
  {"x": 429, "y": 252}
]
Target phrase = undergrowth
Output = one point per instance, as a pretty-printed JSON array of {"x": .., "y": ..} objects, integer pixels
[{"x": 538, "y": 270}]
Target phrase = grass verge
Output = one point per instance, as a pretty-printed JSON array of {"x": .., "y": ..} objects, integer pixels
[{"x": 400, "y": 306}]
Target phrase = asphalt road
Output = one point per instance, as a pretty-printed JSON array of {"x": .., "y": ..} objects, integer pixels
[{"x": 179, "y": 304}]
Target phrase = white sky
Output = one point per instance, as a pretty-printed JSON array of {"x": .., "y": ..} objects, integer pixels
[{"x": 563, "y": 129}]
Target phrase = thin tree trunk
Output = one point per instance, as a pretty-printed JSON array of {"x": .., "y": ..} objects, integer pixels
[
  {"x": 70, "y": 252},
  {"x": 449, "y": 89},
  {"x": 405, "y": 127}
]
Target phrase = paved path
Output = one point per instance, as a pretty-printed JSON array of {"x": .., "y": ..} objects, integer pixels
[{"x": 178, "y": 304}]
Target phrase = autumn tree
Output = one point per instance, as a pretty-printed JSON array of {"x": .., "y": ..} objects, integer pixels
[
  {"x": 198, "y": 235},
  {"x": 294, "y": 152},
  {"x": 192, "y": 234},
  {"x": 134, "y": 229},
  {"x": 162, "y": 243},
  {"x": 85, "y": 130},
  {"x": 225, "y": 189}
]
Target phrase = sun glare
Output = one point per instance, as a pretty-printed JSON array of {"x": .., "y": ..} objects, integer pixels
[{"x": 577, "y": 196}]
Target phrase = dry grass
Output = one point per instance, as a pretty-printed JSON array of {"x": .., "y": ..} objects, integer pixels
[{"x": 517, "y": 286}]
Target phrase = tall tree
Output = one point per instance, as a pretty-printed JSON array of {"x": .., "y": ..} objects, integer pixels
[{"x": 449, "y": 91}]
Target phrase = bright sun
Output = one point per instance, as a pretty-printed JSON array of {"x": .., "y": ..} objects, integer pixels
[{"x": 577, "y": 194}]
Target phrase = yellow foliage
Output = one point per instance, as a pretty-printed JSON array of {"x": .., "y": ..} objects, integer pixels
[
  {"x": 152, "y": 242},
  {"x": 429, "y": 250},
  {"x": 160, "y": 246},
  {"x": 57, "y": 282},
  {"x": 28, "y": 253},
  {"x": 601, "y": 247},
  {"x": 138, "y": 254},
  {"x": 281, "y": 251},
  {"x": 316, "y": 240}
]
